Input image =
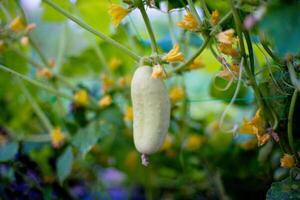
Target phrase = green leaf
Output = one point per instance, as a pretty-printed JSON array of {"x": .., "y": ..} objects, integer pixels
[
  {"x": 95, "y": 13},
  {"x": 50, "y": 14},
  {"x": 8, "y": 151},
  {"x": 282, "y": 24},
  {"x": 286, "y": 189},
  {"x": 64, "y": 165},
  {"x": 86, "y": 138}
]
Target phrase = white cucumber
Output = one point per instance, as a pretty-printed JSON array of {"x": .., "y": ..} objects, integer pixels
[{"x": 151, "y": 111}]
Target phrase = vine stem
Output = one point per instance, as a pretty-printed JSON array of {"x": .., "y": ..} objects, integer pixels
[
  {"x": 196, "y": 54},
  {"x": 92, "y": 30},
  {"x": 293, "y": 76},
  {"x": 39, "y": 112},
  {"x": 148, "y": 26},
  {"x": 290, "y": 124},
  {"x": 34, "y": 82},
  {"x": 248, "y": 71}
]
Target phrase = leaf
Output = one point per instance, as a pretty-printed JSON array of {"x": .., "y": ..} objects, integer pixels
[
  {"x": 282, "y": 24},
  {"x": 86, "y": 138},
  {"x": 64, "y": 165},
  {"x": 50, "y": 14},
  {"x": 95, "y": 13},
  {"x": 285, "y": 189},
  {"x": 8, "y": 151}
]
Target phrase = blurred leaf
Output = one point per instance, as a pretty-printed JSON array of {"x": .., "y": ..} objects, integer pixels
[
  {"x": 8, "y": 151},
  {"x": 286, "y": 189},
  {"x": 282, "y": 24},
  {"x": 95, "y": 13},
  {"x": 64, "y": 165},
  {"x": 86, "y": 138},
  {"x": 50, "y": 14}
]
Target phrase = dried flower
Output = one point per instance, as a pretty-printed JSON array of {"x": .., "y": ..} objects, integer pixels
[
  {"x": 189, "y": 22},
  {"x": 118, "y": 13},
  {"x": 30, "y": 27},
  {"x": 81, "y": 98},
  {"x": 44, "y": 73},
  {"x": 105, "y": 101},
  {"x": 174, "y": 55},
  {"x": 228, "y": 49},
  {"x": 287, "y": 161},
  {"x": 57, "y": 137},
  {"x": 256, "y": 127},
  {"x": 24, "y": 41},
  {"x": 215, "y": 17},
  {"x": 158, "y": 72},
  {"x": 227, "y": 37},
  {"x": 229, "y": 74}
]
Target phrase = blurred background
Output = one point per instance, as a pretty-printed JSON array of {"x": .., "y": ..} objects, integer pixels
[{"x": 96, "y": 158}]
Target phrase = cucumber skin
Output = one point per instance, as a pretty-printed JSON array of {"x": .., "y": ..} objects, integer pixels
[{"x": 151, "y": 110}]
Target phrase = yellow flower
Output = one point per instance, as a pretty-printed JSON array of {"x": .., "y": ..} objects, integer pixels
[
  {"x": 256, "y": 127},
  {"x": 81, "y": 98},
  {"x": 227, "y": 37},
  {"x": 229, "y": 74},
  {"x": 263, "y": 139},
  {"x": 124, "y": 81},
  {"x": 189, "y": 22},
  {"x": 174, "y": 55},
  {"x": 17, "y": 25},
  {"x": 194, "y": 142},
  {"x": 114, "y": 63},
  {"x": 167, "y": 144},
  {"x": 196, "y": 64},
  {"x": 44, "y": 73},
  {"x": 176, "y": 94},
  {"x": 131, "y": 160},
  {"x": 128, "y": 116},
  {"x": 57, "y": 137},
  {"x": 105, "y": 101},
  {"x": 158, "y": 72},
  {"x": 107, "y": 83},
  {"x": 215, "y": 17},
  {"x": 287, "y": 161},
  {"x": 228, "y": 49},
  {"x": 118, "y": 13}
]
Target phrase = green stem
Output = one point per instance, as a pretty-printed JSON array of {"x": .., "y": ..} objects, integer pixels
[
  {"x": 36, "y": 83},
  {"x": 92, "y": 30},
  {"x": 196, "y": 54},
  {"x": 270, "y": 52},
  {"x": 148, "y": 26},
  {"x": 290, "y": 124},
  {"x": 194, "y": 11},
  {"x": 38, "y": 50},
  {"x": 39, "y": 112},
  {"x": 204, "y": 6},
  {"x": 40, "y": 66},
  {"x": 250, "y": 51}
]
